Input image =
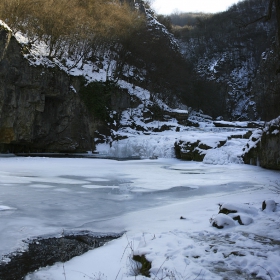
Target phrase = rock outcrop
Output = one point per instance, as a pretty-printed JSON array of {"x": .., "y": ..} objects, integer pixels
[
  {"x": 266, "y": 85},
  {"x": 40, "y": 109},
  {"x": 263, "y": 148},
  {"x": 195, "y": 149}
]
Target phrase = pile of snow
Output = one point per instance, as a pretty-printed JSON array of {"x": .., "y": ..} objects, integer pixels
[
  {"x": 239, "y": 208},
  {"x": 231, "y": 152},
  {"x": 269, "y": 206},
  {"x": 234, "y": 214}
]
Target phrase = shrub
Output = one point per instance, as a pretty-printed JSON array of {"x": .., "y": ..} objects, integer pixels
[
  {"x": 97, "y": 98},
  {"x": 63, "y": 23}
]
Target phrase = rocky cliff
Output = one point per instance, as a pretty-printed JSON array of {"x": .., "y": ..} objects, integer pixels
[
  {"x": 40, "y": 109},
  {"x": 233, "y": 50},
  {"x": 266, "y": 85},
  {"x": 263, "y": 147}
]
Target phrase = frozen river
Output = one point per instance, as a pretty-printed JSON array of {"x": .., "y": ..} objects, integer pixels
[{"x": 41, "y": 196}]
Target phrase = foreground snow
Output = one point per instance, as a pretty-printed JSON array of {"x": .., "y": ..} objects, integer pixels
[
  {"x": 187, "y": 248},
  {"x": 145, "y": 198}
]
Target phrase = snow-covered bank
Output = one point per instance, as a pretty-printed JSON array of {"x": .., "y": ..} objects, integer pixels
[
  {"x": 145, "y": 198},
  {"x": 161, "y": 144},
  {"x": 190, "y": 248}
]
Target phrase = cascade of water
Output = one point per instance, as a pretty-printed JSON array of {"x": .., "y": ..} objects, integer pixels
[{"x": 143, "y": 147}]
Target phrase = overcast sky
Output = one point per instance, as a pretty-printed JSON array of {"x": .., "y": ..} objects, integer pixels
[{"x": 206, "y": 6}]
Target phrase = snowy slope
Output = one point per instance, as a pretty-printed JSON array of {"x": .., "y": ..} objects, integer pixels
[{"x": 227, "y": 48}]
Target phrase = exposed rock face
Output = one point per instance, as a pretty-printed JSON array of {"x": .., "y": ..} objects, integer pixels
[
  {"x": 264, "y": 146},
  {"x": 266, "y": 85},
  {"x": 269, "y": 153},
  {"x": 40, "y": 110},
  {"x": 190, "y": 150},
  {"x": 194, "y": 150},
  {"x": 237, "y": 58}
]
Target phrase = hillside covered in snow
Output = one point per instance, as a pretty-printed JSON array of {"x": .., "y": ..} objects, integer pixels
[{"x": 236, "y": 50}]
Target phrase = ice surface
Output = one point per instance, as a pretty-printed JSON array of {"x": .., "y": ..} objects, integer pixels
[{"x": 41, "y": 197}]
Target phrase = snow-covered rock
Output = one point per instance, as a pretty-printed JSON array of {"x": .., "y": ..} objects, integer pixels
[
  {"x": 263, "y": 147},
  {"x": 221, "y": 221},
  {"x": 269, "y": 206},
  {"x": 227, "y": 208}
]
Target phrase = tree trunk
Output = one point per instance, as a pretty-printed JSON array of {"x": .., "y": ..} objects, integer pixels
[{"x": 277, "y": 9}]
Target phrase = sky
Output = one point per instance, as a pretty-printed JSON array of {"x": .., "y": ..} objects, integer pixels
[{"x": 207, "y": 6}]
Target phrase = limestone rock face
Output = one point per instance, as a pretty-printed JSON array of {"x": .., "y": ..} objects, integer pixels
[
  {"x": 40, "y": 110},
  {"x": 266, "y": 85},
  {"x": 264, "y": 149},
  {"x": 270, "y": 145}
]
